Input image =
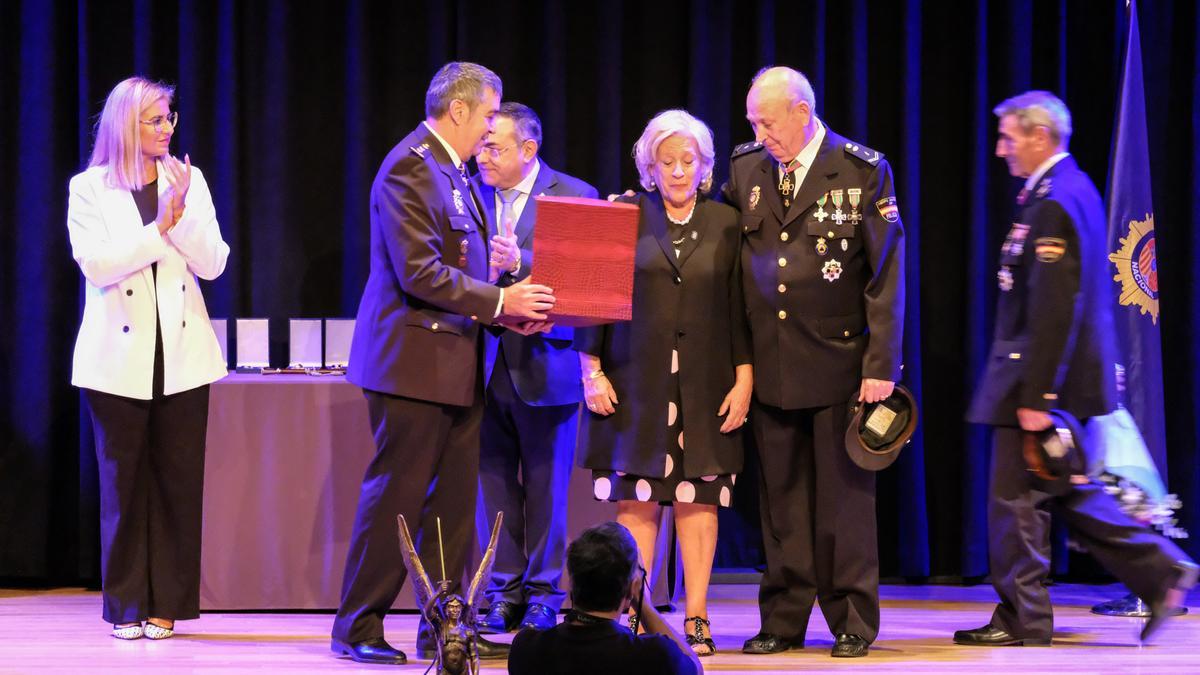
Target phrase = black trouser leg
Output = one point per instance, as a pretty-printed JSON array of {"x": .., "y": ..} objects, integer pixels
[
  {"x": 846, "y": 547},
  {"x": 178, "y": 426},
  {"x": 789, "y": 583},
  {"x": 122, "y": 445}
]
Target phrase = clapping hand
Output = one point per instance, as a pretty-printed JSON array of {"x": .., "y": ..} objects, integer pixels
[{"x": 179, "y": 175}]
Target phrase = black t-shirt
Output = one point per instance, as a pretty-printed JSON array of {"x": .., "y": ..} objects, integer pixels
[{"x": 604, "y": 649}]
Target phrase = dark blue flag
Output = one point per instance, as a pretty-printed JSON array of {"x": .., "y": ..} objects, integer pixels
[{"x": 1132, "y": 253}]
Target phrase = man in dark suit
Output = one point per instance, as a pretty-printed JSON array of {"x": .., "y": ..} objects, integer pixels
[
  {"x": 532, "y": 390},
  {"x": 1053, "y": 350},
  {"x": 415, "y": 353},
  {"x": 823, "y": 273}
]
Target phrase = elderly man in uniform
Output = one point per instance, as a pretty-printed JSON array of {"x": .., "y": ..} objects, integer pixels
[
  {"x": 532, "y": 390},
  {"x": 1053, "y": 349},
  {"x": 823, "y": 272},
  {"x": 415, "y": 353}
]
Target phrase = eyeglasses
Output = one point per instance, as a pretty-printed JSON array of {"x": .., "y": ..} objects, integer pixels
[
  {"x": 171, "y": 118},
  {"x": 494, "y": 151}
]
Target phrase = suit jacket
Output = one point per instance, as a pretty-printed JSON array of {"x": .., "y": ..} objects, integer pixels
[
  {"x": 417, "y": 332},
  {"x": 114, "y": 352},
  {"x": 544, "y": 368},
  {"x": 1053, "y": 344},
  {"x": 692, "y": 305},
  {"x": 825, "y": 299}
]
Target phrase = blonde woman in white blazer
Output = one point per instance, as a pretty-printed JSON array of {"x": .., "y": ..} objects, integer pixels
[{"x": 143, "y": 228}]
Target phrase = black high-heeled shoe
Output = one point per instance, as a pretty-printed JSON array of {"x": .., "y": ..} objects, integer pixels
[{"x": 701, "y": 635}]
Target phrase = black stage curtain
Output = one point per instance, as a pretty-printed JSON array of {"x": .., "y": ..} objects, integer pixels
[{"x": 289, "y": 107}]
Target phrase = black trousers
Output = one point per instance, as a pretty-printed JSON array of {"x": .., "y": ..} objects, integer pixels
[
  {"x": 818, "y": 524},
  {"x": 1018, "y": 543},
  {"x": 426, "y": 465},
  {"x": 526, "y": 456},
  {"x": 151, "y": 461}
]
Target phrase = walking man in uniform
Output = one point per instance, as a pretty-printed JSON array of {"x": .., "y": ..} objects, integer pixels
[{"x": 1053, "y": 350}]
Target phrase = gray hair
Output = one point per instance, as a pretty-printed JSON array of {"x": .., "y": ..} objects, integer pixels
[
  {"x": 1039, "y": 109},
  {"x": 664, "y": 125},
  {"x": 525, "y": 121},
  {"x": 460, "y": 80},
  {"x": 797, "y": 85}
]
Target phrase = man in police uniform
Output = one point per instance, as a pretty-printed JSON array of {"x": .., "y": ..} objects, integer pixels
[
  {"x": 532, "y": 391},
  {"x": 1053, "y": 350},
  {"x": 823, "y": 266},
  {"x": 415, "y": 353}
]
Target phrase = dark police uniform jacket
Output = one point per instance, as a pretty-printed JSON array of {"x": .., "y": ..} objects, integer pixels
[
  {"x": 544, "y": 367},
  {"x": 417, "y": 332},
  {"x": 1053, "y": 347},
  {"x": 825, "y": 299}
]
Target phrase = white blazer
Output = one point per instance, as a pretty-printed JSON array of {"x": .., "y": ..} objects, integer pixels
[{"x": 114, "y": 352}]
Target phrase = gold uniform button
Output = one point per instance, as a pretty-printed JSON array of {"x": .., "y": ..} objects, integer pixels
[
  {"x": 831, "y": 234},
  {"x": 782, "y": 314},
  {"x": 845, "y": 333},
  {"x": 474, "y": 318},
  {"x": 434, "y": 326},
  {"x": 1015, "y": 356},
  {"x": 782, "y": 288},
  {"x": 783, "y": 262},
  {"x": 783, "y": 236}
]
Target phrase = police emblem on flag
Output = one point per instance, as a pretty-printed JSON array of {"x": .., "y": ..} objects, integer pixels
[{"x": 1137, "y": 267}]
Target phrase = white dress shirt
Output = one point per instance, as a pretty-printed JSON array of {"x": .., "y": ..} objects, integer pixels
[{"x": 806, "y": 158}]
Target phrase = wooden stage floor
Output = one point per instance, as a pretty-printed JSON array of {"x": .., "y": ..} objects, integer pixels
[{"x": 61, "y": 631}]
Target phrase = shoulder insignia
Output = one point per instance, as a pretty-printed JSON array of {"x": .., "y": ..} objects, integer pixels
[
  {"x": 419, "y": 150},
  {"x": 745, "y": 149},
  {"x": 1043, "y": 189},
  {"x": 864, "y": 153}
]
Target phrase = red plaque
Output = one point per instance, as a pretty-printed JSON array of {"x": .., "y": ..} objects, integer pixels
[{"x": 584, "y": 250}]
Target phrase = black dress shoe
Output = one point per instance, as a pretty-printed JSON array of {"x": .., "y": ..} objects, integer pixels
[
  {"x": 375, "y": 650},
  {"x": 990, "y": 636},
  {"x": 1185, "y": 575},
  {"x": 539, "y": 617},
  {"x": 502, "y": 617},
  {"x": 849, "y": 646},
  {"x": 427, "y": 647},
  {"x": 767, "y": 643}
]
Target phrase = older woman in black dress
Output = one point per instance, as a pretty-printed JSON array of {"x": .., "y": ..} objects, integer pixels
[{"x": 669, "y": 391}]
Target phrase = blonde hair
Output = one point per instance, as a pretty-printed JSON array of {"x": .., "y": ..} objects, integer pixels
[
  {"x": 118, "y": 131},
  {"x": 664, "y": 125}
]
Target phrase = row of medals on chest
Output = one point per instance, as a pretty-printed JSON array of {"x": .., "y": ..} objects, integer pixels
[{"x": 839, "y": 217}]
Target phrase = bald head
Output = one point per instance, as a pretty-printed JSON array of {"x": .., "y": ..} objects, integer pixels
[
  {"x": 779, "y": 108},
  {"x": 780, "y": 83}
]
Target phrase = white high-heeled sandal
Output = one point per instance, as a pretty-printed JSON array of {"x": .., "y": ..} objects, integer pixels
[
  {"x": 127, "y": 632},
  {"x": 156, "y": 632}
]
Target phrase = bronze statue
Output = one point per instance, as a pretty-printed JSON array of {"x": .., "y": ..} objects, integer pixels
[{"x": 451, "y": 616}]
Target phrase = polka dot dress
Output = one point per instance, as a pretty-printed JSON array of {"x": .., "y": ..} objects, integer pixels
[{"x": 671, "y": 486}]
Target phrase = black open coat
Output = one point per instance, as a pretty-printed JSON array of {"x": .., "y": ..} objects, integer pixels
[{"x": 693, "y": 304}]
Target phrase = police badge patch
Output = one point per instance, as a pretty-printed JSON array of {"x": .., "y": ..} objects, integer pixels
[
  {"x": 459, "y": 205},
  {"x": 888, "y": 209},
  {"x": 1050, "y": 249},
  {"x": 755, "y": 195}
]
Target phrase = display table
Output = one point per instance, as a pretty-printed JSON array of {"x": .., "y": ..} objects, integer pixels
[{"x": 286, "y": 456}]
